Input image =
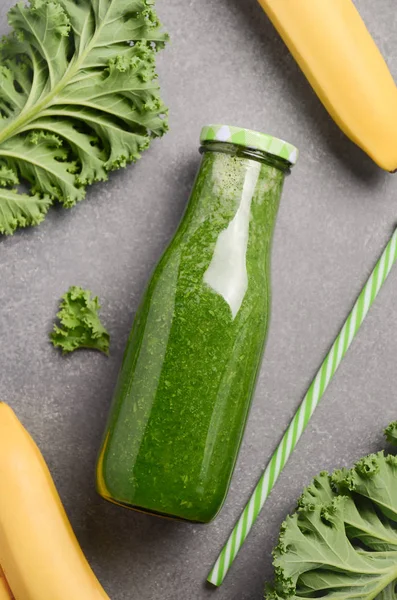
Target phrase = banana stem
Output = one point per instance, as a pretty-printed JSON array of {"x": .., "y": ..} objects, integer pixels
[{"x": 5, "y": 591}]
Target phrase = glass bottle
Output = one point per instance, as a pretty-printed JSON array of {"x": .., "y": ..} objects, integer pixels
[{"x": 192, "y": 359}]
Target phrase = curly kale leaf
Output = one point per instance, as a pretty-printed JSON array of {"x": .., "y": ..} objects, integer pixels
[
  {"x": 79, "y": 97},
  {"x": 80, "y": 323},
  {"x": 341, "y": 543}
]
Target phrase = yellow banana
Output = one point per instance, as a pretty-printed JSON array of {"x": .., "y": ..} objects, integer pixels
[
  {"x": 38, "y": 549},
  {"x": 335, "y": 51},
  {"x": 5, "y": 592}
]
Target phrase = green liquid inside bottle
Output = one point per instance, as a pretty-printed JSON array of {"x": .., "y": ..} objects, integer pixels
[{"x": 191, "y": 363}]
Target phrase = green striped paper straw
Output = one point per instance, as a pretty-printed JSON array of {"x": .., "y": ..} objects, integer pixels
[{"x": 304, "y": 413}]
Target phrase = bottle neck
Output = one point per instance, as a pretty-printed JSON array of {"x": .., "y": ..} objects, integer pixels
[
  {"x": 238, "y": 188},
  {"x": 249, "y": 153}
]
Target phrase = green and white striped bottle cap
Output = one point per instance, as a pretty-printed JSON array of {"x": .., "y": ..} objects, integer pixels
[{"x": 250, "y": 139}]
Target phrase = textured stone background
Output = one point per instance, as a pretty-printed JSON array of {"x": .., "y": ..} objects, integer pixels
[{"x": 225, "y": 64}]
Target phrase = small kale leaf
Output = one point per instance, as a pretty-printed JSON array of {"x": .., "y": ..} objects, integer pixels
[
  {"x": 390, "y": 431},
  {"x": 80, "y": 323}
]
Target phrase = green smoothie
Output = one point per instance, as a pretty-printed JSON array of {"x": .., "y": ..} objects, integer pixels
[{"x": 192, "y": 359}]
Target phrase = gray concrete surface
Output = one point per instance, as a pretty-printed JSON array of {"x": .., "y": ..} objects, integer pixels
[{"x": 225, "y": 64}]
